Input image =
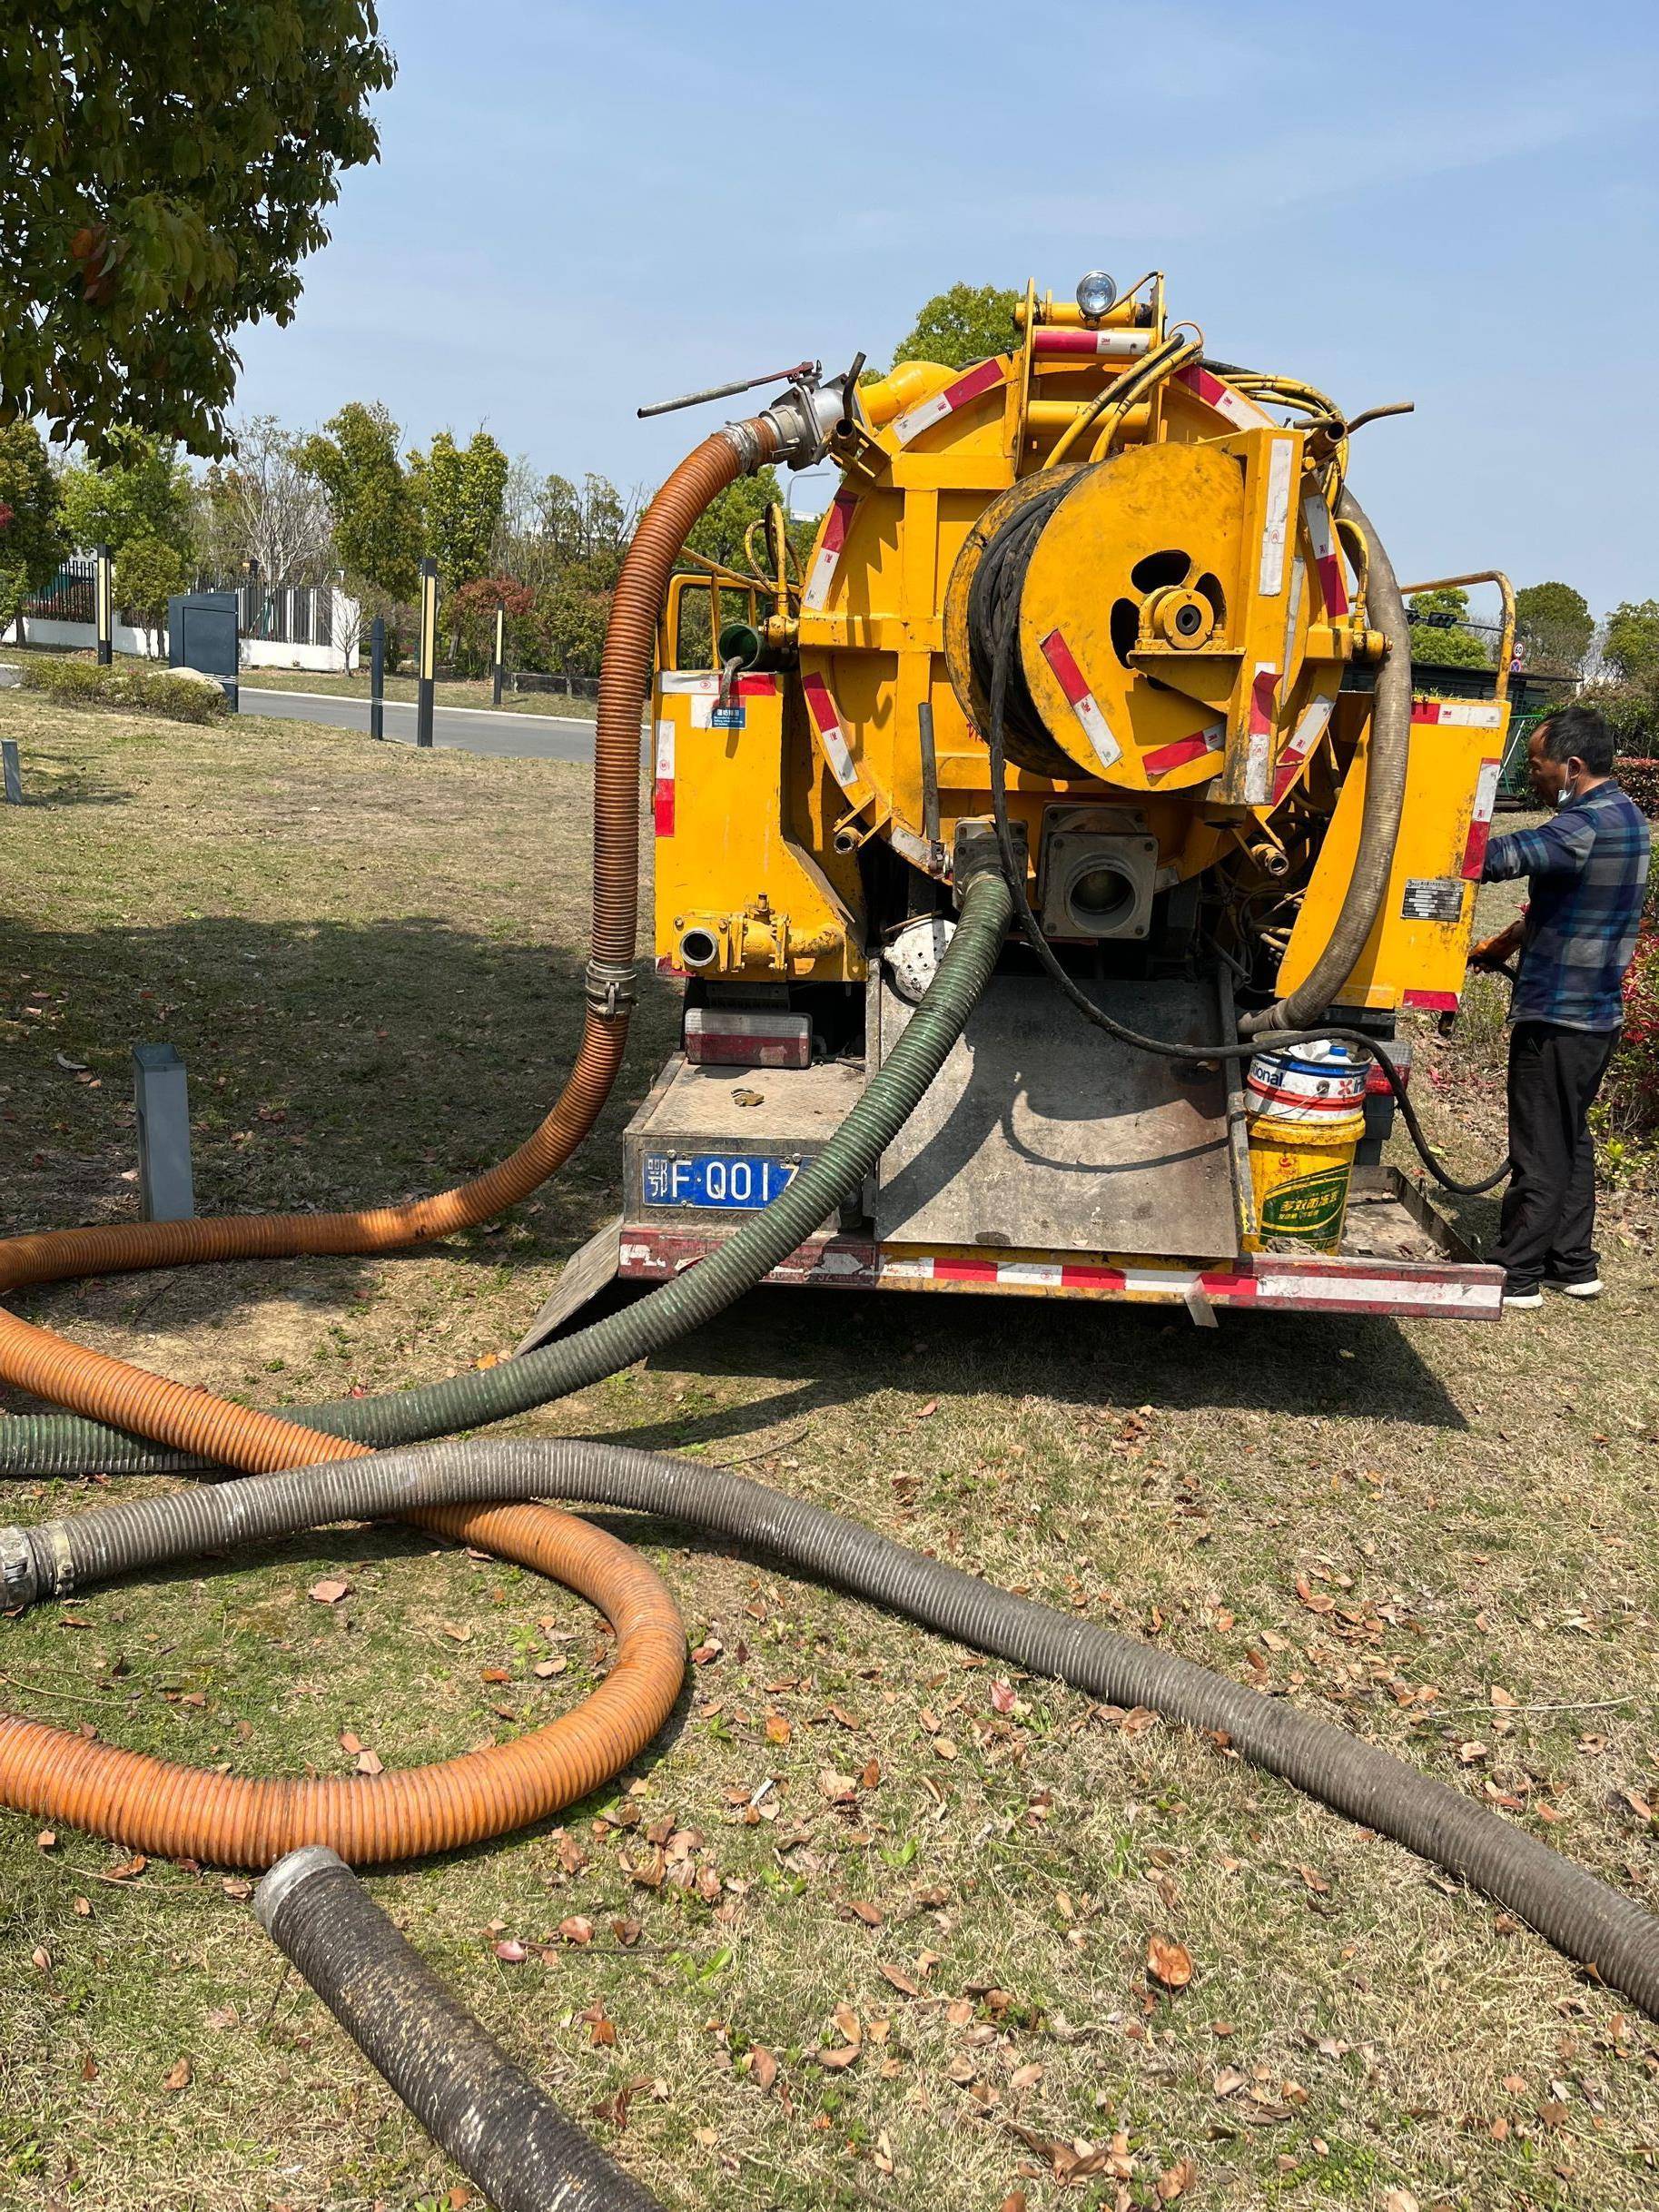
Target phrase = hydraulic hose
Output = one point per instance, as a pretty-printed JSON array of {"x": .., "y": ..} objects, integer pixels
[
  {"x": 1583, "y": 1916},
  {"x": 59, "y": 1445},
  {"x": 501, "y": 2130},
  {"x": 1385, "y": 795},
  {"x": 37, "y": 1361},
  {"x": 995, "y": 609}
]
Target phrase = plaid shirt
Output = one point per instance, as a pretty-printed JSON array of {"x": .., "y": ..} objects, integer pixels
[{"x": 1588, "y": 866}]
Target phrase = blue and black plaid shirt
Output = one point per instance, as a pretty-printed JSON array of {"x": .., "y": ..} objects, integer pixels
[{"x": 1588, "y": 866}]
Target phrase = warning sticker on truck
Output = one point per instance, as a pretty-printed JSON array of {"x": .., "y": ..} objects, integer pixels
[{"x": 1433, "y": 898}]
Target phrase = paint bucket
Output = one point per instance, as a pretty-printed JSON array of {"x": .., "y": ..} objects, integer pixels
[{"x": 1306, "y": 1113}]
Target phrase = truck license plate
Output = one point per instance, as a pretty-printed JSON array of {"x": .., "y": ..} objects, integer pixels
[{"x": 726, "y": 1180}]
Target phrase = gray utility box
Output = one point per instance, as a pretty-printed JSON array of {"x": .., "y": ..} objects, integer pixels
[{"x": 204, "y": 633}]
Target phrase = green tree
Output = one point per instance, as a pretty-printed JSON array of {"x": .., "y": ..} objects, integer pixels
[
  {"x": 459, "y": 490},
  {"x": 148, "y": 571},
  {"x": 1631, "y": 646},
  {"x": 163, "y": 171},
  {"x": 961, "y": 326},
  {"x": 375, "y": 516},
  {"x": 719, "y": 532},
  {"x": 32, "y": 537},
  {"x": 140, "y": 489},
  {"x": 1441, "y": 642},
  {"x": 1555, "y": 624},
  {"x": 570, "y": 619}
]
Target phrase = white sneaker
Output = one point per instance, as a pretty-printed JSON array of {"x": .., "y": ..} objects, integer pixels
[
  {"x": 1590, "y": 1288},
  {"x": 1520, "y": 1301}
]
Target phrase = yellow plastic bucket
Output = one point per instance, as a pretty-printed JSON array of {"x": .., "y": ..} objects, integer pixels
[{"x": 1306, "y": 1115}]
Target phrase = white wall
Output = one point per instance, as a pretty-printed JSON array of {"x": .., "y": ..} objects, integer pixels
[
  {"x": 38, "y": 631},
  {"x": 256, "y": 652}
]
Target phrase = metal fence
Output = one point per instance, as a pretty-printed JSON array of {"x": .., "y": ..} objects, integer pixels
[
  {"x": 282, "y": 614},
  {"x": 70, "y": 597},
  {"x": 564, "y": 687},
  {"x": 286, "y": 614}
]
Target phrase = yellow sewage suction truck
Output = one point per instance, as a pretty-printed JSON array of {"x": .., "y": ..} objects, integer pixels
[
  {"x": 1108, "y": 608},
  {"x": 1046, "y": 862}
]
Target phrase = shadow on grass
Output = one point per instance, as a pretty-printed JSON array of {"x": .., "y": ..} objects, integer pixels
[
  {"x": 330, "y": 1065},
  {"x": 837, "y": 1344}
]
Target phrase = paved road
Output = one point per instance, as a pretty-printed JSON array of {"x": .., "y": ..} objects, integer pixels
[{"x": 465, "y": 729}]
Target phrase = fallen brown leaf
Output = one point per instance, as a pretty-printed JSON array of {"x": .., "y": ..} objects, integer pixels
[{"x": 1169, "y": 1962}]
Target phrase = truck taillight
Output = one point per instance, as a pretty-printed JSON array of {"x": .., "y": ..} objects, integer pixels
[
  {"x": 1377, "y": 1083},
  {"x": 719, "y": 1037}
]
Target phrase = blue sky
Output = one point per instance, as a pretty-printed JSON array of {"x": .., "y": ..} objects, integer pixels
[{"x": 582, "y": 207}]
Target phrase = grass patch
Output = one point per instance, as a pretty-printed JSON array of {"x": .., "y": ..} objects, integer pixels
[
  {"x": 353, "y": 684},
  {"x": 452, "y": 691},
  {"x": 370, "y": 960}
]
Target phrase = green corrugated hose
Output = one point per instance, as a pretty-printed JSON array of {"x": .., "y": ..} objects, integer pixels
[{"x": 67, "y": 1444}]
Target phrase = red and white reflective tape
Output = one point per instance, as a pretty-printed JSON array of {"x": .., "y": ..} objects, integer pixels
[
  {"x": 1353, "y": 1291},
  {"x": 1258, "y": 759},
  {"x": 1461, "y": 713},
  {"x": 1280, "y": 1283},
  {"x": 1162, "y": 758},
  {"x": 826, "y": 721},
  {"x": 1103, "y": 345},
  {"x": 662, "y": 789},
  {"x": 1065, "y": 1275},
  {"x": 1081, "y": 699},
  {"x": 1431, "y": 1002},
  {"x": 1480, "y": 820},
  {"x": 701, "y": 687},
  {"x": 1326, "y": 559},
  {"x": 827, "y": 558},
  {"x": 1232, "y": 406},
  {"x": 1276, "y": 517},
  {"x": 1300, "y": 743},
  {"x": 973, "y": 386}
]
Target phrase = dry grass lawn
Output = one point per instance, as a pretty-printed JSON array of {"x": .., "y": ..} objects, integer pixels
[{"x": 370, "y": 961}]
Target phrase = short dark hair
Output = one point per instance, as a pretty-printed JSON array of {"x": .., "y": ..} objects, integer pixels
[{"x": 1579, "y": 733}]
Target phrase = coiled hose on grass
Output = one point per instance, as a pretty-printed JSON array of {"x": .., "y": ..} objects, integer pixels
[
  {"x": 154, "y": 1806},
  {"x": 188, "y": 1419},
  {"x": 1582, "y": 1915}
]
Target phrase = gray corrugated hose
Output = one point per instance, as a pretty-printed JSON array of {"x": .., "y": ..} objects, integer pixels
[
  {"x": 1580, "y": 1914},
  {"x": 1385, "y": 795},
  {"x": 501, "y": 2130}
]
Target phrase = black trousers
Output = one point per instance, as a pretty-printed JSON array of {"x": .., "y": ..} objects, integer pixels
[{"x": 1548, "y": 1219}]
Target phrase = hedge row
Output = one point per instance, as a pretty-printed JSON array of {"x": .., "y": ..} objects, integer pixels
[
  {"x": 1641, "y": 779},
  {"x": 180, "y": 693}
]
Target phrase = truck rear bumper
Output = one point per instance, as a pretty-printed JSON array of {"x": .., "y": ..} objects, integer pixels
[{"x": 1407, "y": 1261}]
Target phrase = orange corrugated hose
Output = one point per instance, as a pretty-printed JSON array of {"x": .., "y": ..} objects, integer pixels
[
  {"x": 155, "y": 1805},
  {"x": 60, "y": 1776}
]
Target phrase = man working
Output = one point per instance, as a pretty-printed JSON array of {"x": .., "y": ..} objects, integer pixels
[{"x": 1587, "y": 868}]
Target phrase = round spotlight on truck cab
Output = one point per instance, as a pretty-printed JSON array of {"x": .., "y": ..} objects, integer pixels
[{"x": 1096, "y": 294}]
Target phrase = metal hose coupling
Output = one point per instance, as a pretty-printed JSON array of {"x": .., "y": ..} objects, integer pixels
[
  {"x": 611, "y": 987},
  {"x": 19, "y": 1584},
  {"x": 746, "y": 440}
]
